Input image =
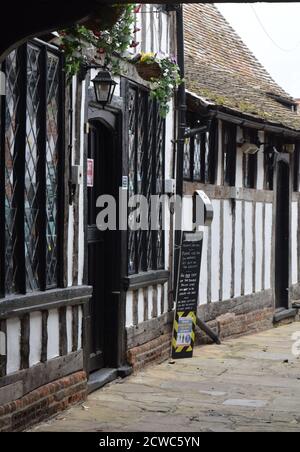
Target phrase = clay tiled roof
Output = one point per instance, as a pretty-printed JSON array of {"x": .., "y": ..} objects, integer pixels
[{"x": 222, "y": 71}]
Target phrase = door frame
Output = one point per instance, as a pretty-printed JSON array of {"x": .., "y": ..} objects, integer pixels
[
  {"x": 282, "y": 159},
  {"x": 113, "y": 119}
]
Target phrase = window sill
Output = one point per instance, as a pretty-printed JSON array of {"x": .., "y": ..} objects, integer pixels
[
  {"x": 18, "y": 305},
  {"x": 146, "y": 279}
]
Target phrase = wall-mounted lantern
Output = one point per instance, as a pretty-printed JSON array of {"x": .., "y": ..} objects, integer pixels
[{"x": 104, "y": 87}]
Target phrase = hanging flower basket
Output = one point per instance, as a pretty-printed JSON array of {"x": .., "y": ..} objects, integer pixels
[
  {"x": 149, "y": 71},
  {"x": 104, "y": 18}
]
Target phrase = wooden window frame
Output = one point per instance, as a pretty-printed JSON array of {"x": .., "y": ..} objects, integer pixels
[
  {"x": 208, "y": 160},
  {"x": 20, "y": 285},
  {"x": 145, "y": 243}
]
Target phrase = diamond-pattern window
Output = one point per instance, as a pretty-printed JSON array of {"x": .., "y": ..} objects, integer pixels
[
  {"x": 31, "y": 168},
  {"x": 52, "y": 149},
  {"x": 31, "y": 161},
  {"x": 146, "y": 177},
  {"x": 12, "y": 99},
  {"x": 201, "y": 154}
]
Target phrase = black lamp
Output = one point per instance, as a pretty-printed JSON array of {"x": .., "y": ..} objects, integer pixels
[{"x": 104, "y": 87}]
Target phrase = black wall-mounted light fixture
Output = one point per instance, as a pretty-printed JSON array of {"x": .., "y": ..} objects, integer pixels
[{"x": 104, "y": 87}]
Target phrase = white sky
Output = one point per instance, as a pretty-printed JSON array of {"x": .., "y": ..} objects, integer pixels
[{"x": 282, "y": 23}]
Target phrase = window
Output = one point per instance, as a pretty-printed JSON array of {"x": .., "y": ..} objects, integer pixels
[
  {"x": 201, "y": 154},
  {"x": 250, "y": 160},
  {"x": 229, "y": 153},
  {"x": 31, "y": 155},
  {"x": 297, "y": 167},
  {"x": 146, "y": 177}
]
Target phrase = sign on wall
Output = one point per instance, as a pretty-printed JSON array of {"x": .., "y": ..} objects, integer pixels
[{"x": 90, "y": 173}]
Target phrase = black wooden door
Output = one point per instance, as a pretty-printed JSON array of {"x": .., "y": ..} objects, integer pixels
[
  {"x": 282, "y": 235},
  {"x": 97, "y": 269}
]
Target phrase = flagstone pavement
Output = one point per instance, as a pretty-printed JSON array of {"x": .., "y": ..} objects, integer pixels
[{"x": 246, "y": 384}]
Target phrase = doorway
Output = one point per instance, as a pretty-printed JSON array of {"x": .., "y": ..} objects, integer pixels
[
  {"x": 282, "y": 233},
  {"x": 103, "y": 251}
]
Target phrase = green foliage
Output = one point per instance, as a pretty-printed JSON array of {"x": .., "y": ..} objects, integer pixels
[
  {"x": 162, "y": 88},
  {"x": 78, "y": 42}
]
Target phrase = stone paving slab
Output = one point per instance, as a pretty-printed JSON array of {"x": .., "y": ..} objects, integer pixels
[{"x": 246, "y": 384}]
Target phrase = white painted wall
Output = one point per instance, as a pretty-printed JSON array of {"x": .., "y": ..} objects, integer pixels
[
  {"x": 260, "y": 162},
  {"x": 238, "y": 250},
  {"x": 227, "y": 250},
  {"x": 294, "y": 243},
  {"x": 204, "y": 273},
  {"x": 258, "y": 247},
  {"x": 248, "y": 248},
  {"x": 53, "y": 335},
  {"x": 215, "y": 251},
  {"x": 35, "y": 339},
  {"x": 129, "y": 309},
  {"x": 268, "y": 244},
  {"x": 69, "y": 317},
  {"x": 13, "y": 337}
]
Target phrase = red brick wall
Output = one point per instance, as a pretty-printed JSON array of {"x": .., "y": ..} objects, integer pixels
[
  {"x": 226, "y": 326},
  {"x": 43, "y": 403}
]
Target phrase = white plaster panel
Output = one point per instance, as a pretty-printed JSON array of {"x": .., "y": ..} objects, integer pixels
[
  {"x": 129, "y": 309},
  {"x": 204, "y": 272},
  {"x": 53, "y": 334},
  {"x": 150, "y": 302},
  {"x": 69, "y": 328},
  {"x": 159, "y": 295},
  {"x": 187, "y": 213},
  {"x": 238, "y": 250},
  {"x": 294, "y": 243},
  {"x": 258, "y": 247},
  {"x": 268, "y": 244},
  {"x": 141, "y": 306},
  {"x": 215, "y": 252},
  {"x": 13, "y": 337},
  {"x": 227, "y": 250},
  {"x": 248, "y": 248},
  {"x": 35, "y": 339}
]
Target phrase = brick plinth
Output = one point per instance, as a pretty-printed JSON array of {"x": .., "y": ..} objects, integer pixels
[
  {"x": 43, "y": 403},
  {"x": 155, "y": 351},
  {"x": 226, "y": 326},
  {"x": 232, "y": 325}
]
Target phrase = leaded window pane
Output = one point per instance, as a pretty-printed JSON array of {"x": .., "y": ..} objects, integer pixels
[
  {"x": 52, "y": 144},
  {"x": 31, "y": 160},
  {"x": 11, "y": 125}
]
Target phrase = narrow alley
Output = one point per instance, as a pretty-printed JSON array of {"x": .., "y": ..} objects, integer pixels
[{"x": 246, "y": 384}]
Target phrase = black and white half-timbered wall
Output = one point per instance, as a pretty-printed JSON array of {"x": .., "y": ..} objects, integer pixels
[
  {"x": 79, "y": 307},
  {"x": 247, "y": 162}
]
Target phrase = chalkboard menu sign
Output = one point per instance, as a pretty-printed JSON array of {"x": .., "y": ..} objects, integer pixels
[{"x": 187, "y": 295}]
